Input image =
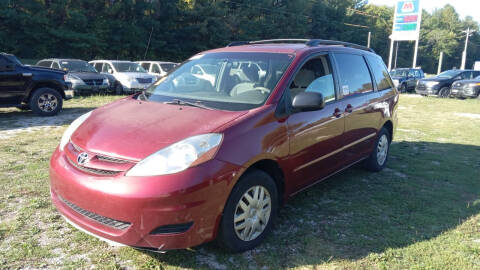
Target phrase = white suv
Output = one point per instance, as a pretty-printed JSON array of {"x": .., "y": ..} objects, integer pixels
[
  {"x": 130, "y": 76},
  {"x": 157, "y": 68}
]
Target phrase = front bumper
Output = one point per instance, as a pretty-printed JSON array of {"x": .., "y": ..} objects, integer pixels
[
  {"x": 461, "y": 93},
  {"x": 426, "y": 90},
  {"x": 89, "y": 89},
  {"x": 195, "y": 196}
]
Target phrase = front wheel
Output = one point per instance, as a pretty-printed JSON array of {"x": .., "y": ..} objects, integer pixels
[
  {"x": 444, "y": 92},
  {"x": 46, "y": 102},
  {"x": 118, "y": 89},
  {"x": 379, "y": 156},
  {"x": 249, "y": 213}
]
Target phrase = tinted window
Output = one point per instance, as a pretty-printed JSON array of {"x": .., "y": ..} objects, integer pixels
[
  {"x": 156, "y": 69},
  {"x": 380, "y": 72},
  {"x": 98, "y": 66},
  {"x": 55, "y": 65},
  {"x": 315, "y": 76},
  {"x": 167, "y": 67},
  {"x": 146, "y": 66},
  {"x": 44, "y": 63},
  {"x": 107, "y": 68},
  {"x": 354, "y": 74}
]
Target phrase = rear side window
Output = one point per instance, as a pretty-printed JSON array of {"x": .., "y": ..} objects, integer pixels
[
  {"x": 98, "y": 67},
  {"x": 354, "y": 75},
  {"x": 156, "y": 69},
  {"x": 380, "y": 72},
  {"x": 44, "y": 63},
  {"x": 55, "y": 65},
  {"x": 146, "y": 66}
]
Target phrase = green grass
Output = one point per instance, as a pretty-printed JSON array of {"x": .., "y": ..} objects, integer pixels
[{"x": 422, "y": 212}]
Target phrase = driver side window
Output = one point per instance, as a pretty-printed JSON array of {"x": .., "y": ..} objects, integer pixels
[{"x": 315, "y": 76}]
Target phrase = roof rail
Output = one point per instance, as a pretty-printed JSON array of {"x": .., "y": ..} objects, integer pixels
[
  {"x": 316, "y": 42},
  {"x": 308, "y": 42}
]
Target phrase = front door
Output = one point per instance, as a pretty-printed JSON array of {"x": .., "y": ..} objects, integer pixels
[
  {"x": 315, "y": 137},
  {"x": 12, "y": 82}
]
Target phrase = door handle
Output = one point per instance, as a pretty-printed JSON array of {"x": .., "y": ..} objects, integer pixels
[
  {"x": 349, "y": 108},
  {"x": 337, "y": 113}
]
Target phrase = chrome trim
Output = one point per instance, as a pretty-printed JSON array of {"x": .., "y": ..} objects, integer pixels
[
  {"x": 334, "y": 152},
  {"x": 92, "y": 170}
]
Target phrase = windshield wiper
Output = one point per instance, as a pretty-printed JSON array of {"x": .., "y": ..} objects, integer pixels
[{"x": 177, "y": 101}]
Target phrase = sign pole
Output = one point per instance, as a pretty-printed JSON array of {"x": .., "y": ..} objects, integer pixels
[
  {"x": 415, "y": 54},
  {"x": 390, "y": 55}
]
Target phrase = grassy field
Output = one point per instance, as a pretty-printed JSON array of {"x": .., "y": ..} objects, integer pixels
[{"x": 422, "y": 212}]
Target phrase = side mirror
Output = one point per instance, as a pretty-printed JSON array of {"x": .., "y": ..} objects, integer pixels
[{"x": 308, "y": 101}]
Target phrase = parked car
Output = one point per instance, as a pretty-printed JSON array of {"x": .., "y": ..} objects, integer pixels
[
  {"x": 40, "y": 89},
  {"x": 466, "y": 88},
  {"x": 85, "y": 79},
  {"x": 130, "y": 77},
  {"x": 174, "y": 167},
  {"x": 405, "y": 79},
  {"x": 157, "y": 68},
  {"x": 440, "y": 85}
]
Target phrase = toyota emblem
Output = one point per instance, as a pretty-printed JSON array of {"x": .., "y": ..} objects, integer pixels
[{"x": 82, "y": 158}]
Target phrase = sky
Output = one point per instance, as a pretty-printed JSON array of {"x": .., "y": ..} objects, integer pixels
[{"x": 463, "y": 7}]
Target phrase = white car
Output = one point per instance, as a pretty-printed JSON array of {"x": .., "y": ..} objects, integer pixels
[
  {"x": 157, "y": 68},
  {"x": 130, "y": 76}
]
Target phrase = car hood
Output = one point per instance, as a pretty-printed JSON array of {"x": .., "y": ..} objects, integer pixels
[
  {"x": 435, "y": 79},
  {"x": 134, "y": 75},
  {"x": 133, "y": 129},
  {"x": 88, "y": 75},
  {"x": 45, "y": 69}
]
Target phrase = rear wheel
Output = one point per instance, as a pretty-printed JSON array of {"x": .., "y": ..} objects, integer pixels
[
  {"x": 118, "y": 89},
  {"x": 379, "y": 157},
  {"x": 249, "y": 213},
  {"x": 402, "y": 88},
  {"x": 444, "y": 92},
  {"x": 46, "y": 101}
]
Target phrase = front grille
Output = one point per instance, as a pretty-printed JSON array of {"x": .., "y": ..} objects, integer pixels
[
  {"x": 144, "y": 80},
  {"x": 92, "y": 170},
  {"x": 111, "y": 159},
  {"x": 116, "y": 224},
  {"x": 421, "y": 86},
  {"x": 93, "y": 82}
]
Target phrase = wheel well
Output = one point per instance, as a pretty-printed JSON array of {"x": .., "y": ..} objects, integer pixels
[
  {"x": 45, "y": 84},
  {"x": 272, "y": 168},
  {"x": 389, "y": 126}
]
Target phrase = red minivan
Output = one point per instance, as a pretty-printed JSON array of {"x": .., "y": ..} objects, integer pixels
[{"x": 212, "y": 150}]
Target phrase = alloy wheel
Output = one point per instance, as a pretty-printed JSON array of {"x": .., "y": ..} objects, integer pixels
[
  {"x": 252, "y": 213},
  {"x": 47, "y": 102},
  {"x": 382, "y": 149}
]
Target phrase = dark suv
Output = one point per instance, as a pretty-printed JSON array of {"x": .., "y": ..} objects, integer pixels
[
  {"x": 40, "y": 89},
  {"x": 85, "y": 79},
  {"x": 469, "y": 88},
  {"x": 441, "y": 84},
  {"x": 216, "y": 157},
  {"x": 405, "y": 79}
]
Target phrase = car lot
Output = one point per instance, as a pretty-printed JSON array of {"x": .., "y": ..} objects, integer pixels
[{"x": 422, "y": 211}]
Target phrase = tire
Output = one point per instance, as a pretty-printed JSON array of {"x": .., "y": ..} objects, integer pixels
[
  {"x": 402, "y": 88},
  {"x": 230, "y": 232},
  {"x": 444, "y": 92},
  {"x": 46, "y": 101},
  {"x": 118, "y": 89},
  {"x": 376, "y": 161}
]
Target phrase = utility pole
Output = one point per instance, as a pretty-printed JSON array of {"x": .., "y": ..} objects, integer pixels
[
  {"x": 440, "y": 63},
  {"x": 468, "y": 32},
  {"x": 368, "y": 41}
]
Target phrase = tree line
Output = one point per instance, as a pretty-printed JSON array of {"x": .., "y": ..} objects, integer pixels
[{"x": 176, "y": 29}]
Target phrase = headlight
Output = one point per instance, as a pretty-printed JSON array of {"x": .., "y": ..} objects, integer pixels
[
  {"x": 73, "y": 126},
  {"x": 179, "y": 156},
  {"x": 131, "y": 79},
  {"x": 430, "y": 84},
  {"x": 396, "y": 82},
  {"x": 73, "y": 79},
  {"x": 105, "y": 81}
]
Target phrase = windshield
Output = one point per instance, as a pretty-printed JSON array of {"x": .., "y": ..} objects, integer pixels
[
  {"x": 77, "y": 66},
  {"x": 399, "y": 73},
  {"x": 13, "y": 59},
  {"x": 167, "y": 67},
  {"x": 228, "y": 81},
  {"x": 448, "y": 74},
  {"x": 128, "y": 67}
]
